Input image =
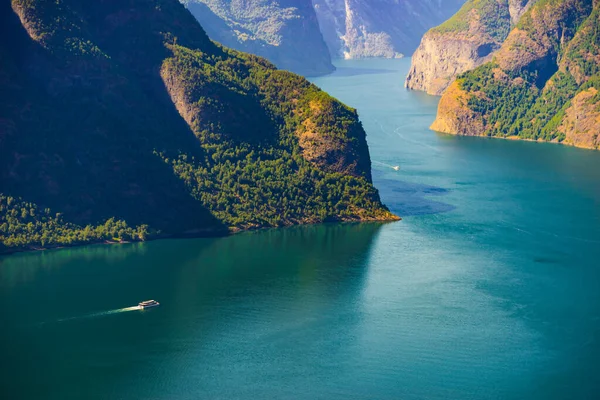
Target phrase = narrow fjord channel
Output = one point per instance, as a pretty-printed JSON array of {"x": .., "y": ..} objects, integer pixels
[{"x": 488, "y": 289}]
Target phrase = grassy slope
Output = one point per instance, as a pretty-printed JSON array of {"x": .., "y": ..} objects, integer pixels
[{"x": 492, "y": 16}]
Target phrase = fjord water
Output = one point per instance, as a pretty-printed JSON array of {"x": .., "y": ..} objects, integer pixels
[{"x": 488, "y": 289}]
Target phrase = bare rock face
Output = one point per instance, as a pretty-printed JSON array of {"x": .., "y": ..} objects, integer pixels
[
  {"x": 462, "y": 43},
  {"x": 453, "y": 116},
  {"x": 286, "y": 32},
  {"x": 378, "y": 28},
  {"x": 439, "y": 59},
  {"x": 516, "y": 8},
  {"x": 581, "y": 123}
]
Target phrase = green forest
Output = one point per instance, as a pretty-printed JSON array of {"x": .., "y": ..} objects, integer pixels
[
  {"x": 23, "y": 224},
  {"x": 530, "y": 102},
  {"x": 149, "y": 128},
  {"x": 266, "y": 181}
]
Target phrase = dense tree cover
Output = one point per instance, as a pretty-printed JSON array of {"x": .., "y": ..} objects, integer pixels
[
  {"x": 22, "y": 224},
  {"x": 264, "y": 180},
  {"x": 530, "y": 101},
  {"x": 504, "y": 104},
  {"x": 164, "y": 129},
  {"x": 266, "y": 188},
  {"x": 516, "y": 107}
]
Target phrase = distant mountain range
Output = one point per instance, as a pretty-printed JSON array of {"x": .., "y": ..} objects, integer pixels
[
  {"x": 299, "y": 37},
  {"x": 286, "y": 32},
  {"x": 379, "y": 28}
]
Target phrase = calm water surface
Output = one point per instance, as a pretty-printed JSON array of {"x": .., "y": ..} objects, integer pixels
[{"x": 488, "y": 289}]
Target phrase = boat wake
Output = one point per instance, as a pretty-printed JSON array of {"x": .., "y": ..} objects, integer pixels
[
  {"x": 102, "y": 313},
  {"x": 117, "y": 311},
  {"x": 394, "y": 167},
  {"x": 397, "y": 132}
]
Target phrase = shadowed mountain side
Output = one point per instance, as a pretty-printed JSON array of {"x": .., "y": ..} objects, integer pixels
[
  {"x": 125, "y": 112},
  {"x": 99, "y": 145}
]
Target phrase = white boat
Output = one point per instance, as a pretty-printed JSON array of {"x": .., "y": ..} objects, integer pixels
[{"x": 148, "y": 304}]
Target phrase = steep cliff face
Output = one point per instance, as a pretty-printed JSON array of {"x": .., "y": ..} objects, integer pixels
[
  {"x": 120, "y": 120},
  {"x": 378, "y": 28},
  {"x": 580, "y": 125},
  {"x": 541, "y": 85},
  {"x": 286, "y": 32},
  {"x": 462, "y": 43}
]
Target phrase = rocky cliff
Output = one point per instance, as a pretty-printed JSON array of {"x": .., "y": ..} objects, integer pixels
[
  {"x": 121, "y": 120},
  {"x": 286, "y": 32},
  {"x": 542, "y": 84},
  {"x": 462, "y": 43},
  {"x": 379, "y": 28}
]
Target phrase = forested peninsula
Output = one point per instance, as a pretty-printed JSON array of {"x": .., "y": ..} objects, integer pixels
[{"x": 122, "y": 120}]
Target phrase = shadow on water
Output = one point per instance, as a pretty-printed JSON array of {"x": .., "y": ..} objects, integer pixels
[
  {"x": 243, "y": 295},
  {"x": 408, "y": 199},
  {"x": 261, "y": 286},
  {"x": 19, "y": 268},
  {"x": 308, "y": 255}
]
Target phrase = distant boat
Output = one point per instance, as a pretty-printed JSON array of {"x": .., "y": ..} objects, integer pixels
[
  {"x": 396, "y": 168},
  {"x": 148, "y": 304}
]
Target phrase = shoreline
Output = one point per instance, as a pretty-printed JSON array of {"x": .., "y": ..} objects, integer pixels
[
  {"x": 196, "y": 234},
  {"x": 10, "y": 251},
  {"x": 519, "y": 139}
]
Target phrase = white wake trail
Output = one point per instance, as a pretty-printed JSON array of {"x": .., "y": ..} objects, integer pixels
[
  {"x": 396, "y": 131},
  {"x": 102, "y": 313},
  {"x": 382, "y": 128},
  {"x": 394, "y": 167},
  {"x": 117, "y": 311}
]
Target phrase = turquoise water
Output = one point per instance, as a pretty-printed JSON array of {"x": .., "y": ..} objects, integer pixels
[{"x": 488, "y": 289}]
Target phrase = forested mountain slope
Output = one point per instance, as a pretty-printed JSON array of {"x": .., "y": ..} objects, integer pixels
[
  {"x": 120, "y": 119},
  {"x": 286, "y": 32},
  {"x": 541, "y": 85},
  {"x": 463, "y": 42}
]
